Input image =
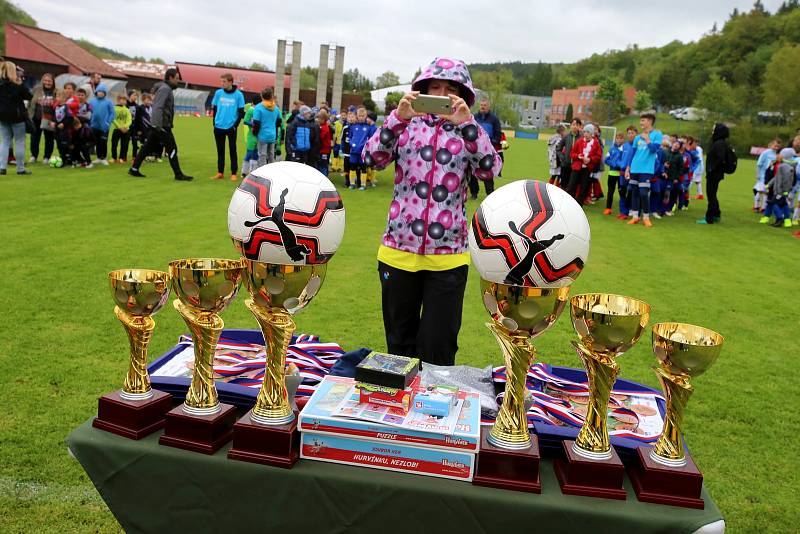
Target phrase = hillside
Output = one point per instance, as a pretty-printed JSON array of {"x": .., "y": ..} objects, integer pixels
[{"x": 11, "y": 13}]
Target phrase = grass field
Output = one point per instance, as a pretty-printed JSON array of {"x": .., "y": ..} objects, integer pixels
[{"x": 61, "y": 346}]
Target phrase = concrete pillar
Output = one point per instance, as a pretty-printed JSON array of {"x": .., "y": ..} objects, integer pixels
[
  {"x": 322, "y": 74},
  {"x": 338, "y": 74},
  {"x": 294, "y": 92},
  {"x": 280, "y": 69}
]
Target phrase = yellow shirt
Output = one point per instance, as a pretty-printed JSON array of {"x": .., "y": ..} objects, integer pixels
[{"x": 408, "y": 261}]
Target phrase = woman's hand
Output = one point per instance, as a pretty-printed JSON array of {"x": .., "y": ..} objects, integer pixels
[
  {"x": 461, "y": 112},
  {"x": 405, "y": 108}
]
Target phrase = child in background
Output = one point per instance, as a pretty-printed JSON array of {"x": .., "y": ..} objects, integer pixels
[
  {"x": 133, "y": 106},
  {"x": 555, "y": 145},
  {"x": 121, "y": 134},
  {"x": 698, "y": 166},
  {"x": 686, "y": 178},
  {"x": 360, "y": 132},
  {"x": 765, "y": 160},
  {"x": 596, "y": 190},
  {"x": 64, "y": 117},
  {"x": 627, "y": 155},
  {"x": 336, "y": 159},
  {"x": 372, "y": 118},
  {"x": 674, "y": 167},
  {"x": 102, "y": 117},
  {"x": 267, "y": 119},
  {"x": 779, "y": 187},
  {"x": 83, "y": 133},
  {"x": 325, "y": 141},
  {"x": 250, "y": 161},
  {"x": 351, "y": 119},
  {"x": 614, "y": 162},
  {"x": 658, "y": 183}
]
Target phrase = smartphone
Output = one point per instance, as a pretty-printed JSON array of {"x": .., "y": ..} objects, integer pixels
[{"x": 438, "y": 105}]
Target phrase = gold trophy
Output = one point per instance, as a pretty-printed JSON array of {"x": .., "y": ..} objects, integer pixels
[
  {"x": 136, "y": 410},
  {"x": 665, "y": 474},
  {"x": 204, "y": 288},
  {"x": 267, "y": 434},
  {"x": 607, "y": 326},
  {"x": 509, "y": 456}
]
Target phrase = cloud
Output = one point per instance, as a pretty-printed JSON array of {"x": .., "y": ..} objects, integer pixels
[{"x": 382, "y": 35}]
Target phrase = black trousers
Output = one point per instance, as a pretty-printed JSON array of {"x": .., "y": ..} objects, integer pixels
[
  {"x": 712, "y": 186},
  {"x": 49, "y": 141},
  {"x": 157, "y": 138},
  {"x": 612, "y": 183},
  {"x": 422, "y": 312},
  {"x": 100, "y": 143},
  {"x": 576, "y": 179},
  {"x": 474, "y": 186},
  {"x": 121, "y": 139},
  {"x": 219, "y": 138}
]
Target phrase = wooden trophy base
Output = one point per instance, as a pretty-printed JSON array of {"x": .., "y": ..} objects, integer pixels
[
  {"x": 132, "y": 419},
  {"x": 591, "y": 478},
  {"x": 661, "y": 484},
  {"x": 516, "y": 470},
  {"x": 278, "y": 445},
  {"x": 198, "y": 433}
]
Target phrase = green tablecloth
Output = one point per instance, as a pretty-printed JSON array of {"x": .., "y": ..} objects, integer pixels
[{"x": 152, "y": 488}]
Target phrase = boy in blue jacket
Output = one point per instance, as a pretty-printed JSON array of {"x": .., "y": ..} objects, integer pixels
[
  {"x": 625, "y": 161},
  {"x": 102, "y": 116},
  {"x": 614, "y": 162},
  {"x": 360, "y": 133}
]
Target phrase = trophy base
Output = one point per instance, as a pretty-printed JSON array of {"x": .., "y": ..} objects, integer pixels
[
  {"x": 661, "y": 484},
  {"x": 275, "y": 445},
  {"x": 198, "y": 433},
  {"x": 578, "y": 475},
  {"x": 132, "y": 419},
  {"x": 510, "y": 469}
]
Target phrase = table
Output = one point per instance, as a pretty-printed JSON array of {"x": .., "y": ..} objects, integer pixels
[{"x": 153, "y": 488}]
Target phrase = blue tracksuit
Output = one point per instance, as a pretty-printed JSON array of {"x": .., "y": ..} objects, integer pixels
[
  {"x": 625, "y": 161},
  {"x": 103, "y": 112},
  {"x": 360, "y": 132}
]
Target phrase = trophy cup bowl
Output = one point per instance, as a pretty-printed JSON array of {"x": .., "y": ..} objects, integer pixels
[
  {"x": 608, "y": 325},
  {"x": 287, "y": 287}
]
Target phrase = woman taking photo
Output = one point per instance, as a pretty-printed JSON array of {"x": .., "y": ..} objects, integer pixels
[
  {"x": 423, "y": 259},
  {"x": 41, "y": 110},
  {"x": 12, "y": 116}
]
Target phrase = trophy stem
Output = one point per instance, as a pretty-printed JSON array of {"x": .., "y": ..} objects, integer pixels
[
  {"x": 510, "y": 430},
  {"x": 669, "y": 447},
  {"x": 139, "y": 329},
  {"x": 206, "y": 327},
  {"x": 592, "y": 441},
  {"x": 272, "y": 406}
]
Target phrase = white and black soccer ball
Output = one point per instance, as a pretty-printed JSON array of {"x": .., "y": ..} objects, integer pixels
[
  {"x": 286, "y": 213},
  {"x": 529, "y": 233}
]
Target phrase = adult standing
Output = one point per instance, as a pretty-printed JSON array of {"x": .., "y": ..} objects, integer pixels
[
  {"x": 227, "y": 107},
  {"x": 12, "y": 116},
  {"x": 566, "y": 159},
  {"x": 491, "y": 125},
  {"x": 161, "y": 123},
  {"x": 717, "y": 164},
  {"x": 91, "y": 85},
  {"x": 41, "y": 110},
  {"x": 423, "y": 259}
]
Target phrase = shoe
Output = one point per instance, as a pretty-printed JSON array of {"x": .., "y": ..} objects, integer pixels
[
  {"x": 668, "y": 213},
  {"x": 797, "y": 235},
  {"x": 122, "y": 160},
  {"x": 351, "y": 187},
  {"x": 159, "y": 160},
  {"x": 218, "y": 176},
  {"x": 362, "y": 188},
  {"x": 656, "y": 215},
  {"x": 699, "y": 197},
  {"x": 787, "y": 223},
  {"x": 756, "y": 210},
  {"x": 622, "y": 216},
  {"x": 184, "y": 178},
  {"x": 374, "y": 184},
  {"x": 234, "y": 177},
  {"x": 31, "y": 159},
  {"x": 244, "y": 176},
  {"x": 132, "y": 172},
  {"x": 685, "y": 208},
  {"x": 104, "y": 162},
  {"x": 88, "y": 166},
  {"x": 795, "y": 222},
  {"x": 647, "y": 223},
  {"x": 46, "y": 161},
  {"x": 763, "y": 220},
  {"x": 3, "y": 172},
  {"x": 607, "y": 211},
  {"x": 635, "y": 220},
  {"x": 702, "y": 221},
  {"x": 24, "y": 172},
  {"x": 777, "y": 224}
]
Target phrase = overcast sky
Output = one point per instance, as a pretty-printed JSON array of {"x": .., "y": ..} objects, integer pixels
[{"x": 389, "y": 35}]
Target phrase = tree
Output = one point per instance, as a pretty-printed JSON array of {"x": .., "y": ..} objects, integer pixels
[
  {"x": 496, "y": 85},
  {"x": 609, "y": 102},
  {"x": 718, "y": 98},
  {"x": 782, "y": 91},
  {"x": 369, "y": 104},
  {"x": 392, "y": 100},
  {"x": 416, "y": 74},
  {"x": 643, "y": 101},
  {"x": 258, "y": 66},
  {"x": 354, "y": 81},
  {"x": 228, "y": 64},
  {"x": 569, "y": 114},
  {"x": 308, "y": 78},
  {"x": 387, "y": 79}
]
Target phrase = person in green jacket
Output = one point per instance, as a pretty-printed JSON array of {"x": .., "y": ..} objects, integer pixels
[
  {"x": 250, "y": 161},
  {"x": 122, "y": 125}
]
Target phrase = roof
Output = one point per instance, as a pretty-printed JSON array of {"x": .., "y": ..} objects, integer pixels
[
  {"x": 58, "y": 45},
  {"x": 140, "y": 69},
  {"x": 252, "y": 81}
]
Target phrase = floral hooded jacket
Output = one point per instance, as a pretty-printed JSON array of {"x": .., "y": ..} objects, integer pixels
[{"x": 432, "y": 158}]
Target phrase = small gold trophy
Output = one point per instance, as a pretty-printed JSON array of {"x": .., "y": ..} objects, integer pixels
[
  {"x": 509, "y": 456},
  {"x": 666, "y": 474},
  {"x": 136, "y": 410},
  {"x": 204, "y": 288},
  {"x": 607, "y": 326}
]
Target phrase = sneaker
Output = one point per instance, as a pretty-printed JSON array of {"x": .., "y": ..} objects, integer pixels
[
  {"x": 234, "y": 177},
  {"x": 622, "y": 217},
  {"x": 351, "y": 187},
  {"x": 796, "y": 222},
  {"x": 699, "y": 197},
  {"x": 46, "y": 161},
  {"x": 647, "y": 223},
  {"x": 685, "y": 208},
  {"x": 218, "y": 176},
  {"x": 763, "y": 220},
  {"x": 362, "y": 188},
  {"x": 32, "y": 159},
  {"x": 756, "y": 210},
  {"x": 3, "y": 172},
  {"x": 104, "y": 162},
  {"x": 88, "y": 166},
  {"x": 797, "y": 235},
  {"x": 132, "y": 172},
  {"x": 656, "y": 215},
  {"x": 159, "y": 160},
  {"x": 374, "y": 184},
  {"x": 702, "y": 221},
  {"x": 184, "y": 178},
  {"x": 24, "y": 172},
  {"x": 635, "y": 220},
  {"x": 787, "y": 223},
  {"x": 607, "y": 211},
  {"x": 668, "y": 214},
  {"x": 777, "y": 224},
  {"x": 717, "y": 220}
]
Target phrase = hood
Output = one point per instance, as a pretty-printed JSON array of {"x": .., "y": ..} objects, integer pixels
[
  {"x": 720, "y": 132},
  {"x": 101, "y": 88},
  {"x": 787, "y": 153},
  {"x": 269, "y": 104},
  {"x": 452, "y": 70}
]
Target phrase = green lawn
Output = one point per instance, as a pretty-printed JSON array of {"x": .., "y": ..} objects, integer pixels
[{"x": 61, "y": 346}]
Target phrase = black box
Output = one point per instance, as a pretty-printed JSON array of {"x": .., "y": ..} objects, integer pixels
[{"x": 387, "y": 370}]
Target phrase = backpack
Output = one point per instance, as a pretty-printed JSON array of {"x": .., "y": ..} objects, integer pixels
[
  {"x": 731, "y": 160},
  {"x": 302, "y": 138}
]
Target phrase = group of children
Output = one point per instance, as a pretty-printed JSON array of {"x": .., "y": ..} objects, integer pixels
[{"x": 777, "y": 190}]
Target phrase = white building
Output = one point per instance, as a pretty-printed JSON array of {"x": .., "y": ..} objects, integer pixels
[{"x": 379, "y": 95}]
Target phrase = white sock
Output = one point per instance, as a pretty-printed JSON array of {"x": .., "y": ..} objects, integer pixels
[
  {"x": 634, "y": 214},
  {"x": 700, "y": 188}
]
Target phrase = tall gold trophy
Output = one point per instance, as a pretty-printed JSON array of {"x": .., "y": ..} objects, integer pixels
[
  {"x": 607, "y": 326},
  {"x": 666, "y": 474},
  {"x": 509, "y": 456},
  {"x": 204, "y": 288},
  {"x": 267, "y": 434},
  {"x": 136, "y": 410}
]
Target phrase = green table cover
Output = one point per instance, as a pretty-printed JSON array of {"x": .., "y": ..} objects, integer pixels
[{"x": 153, "y": 488}]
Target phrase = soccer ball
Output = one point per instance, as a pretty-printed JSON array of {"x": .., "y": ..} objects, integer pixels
[
  {"x": 286, "y": 213},
  {"x": 529, "y": 233},
  {"x": 56, "y": 162}
]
